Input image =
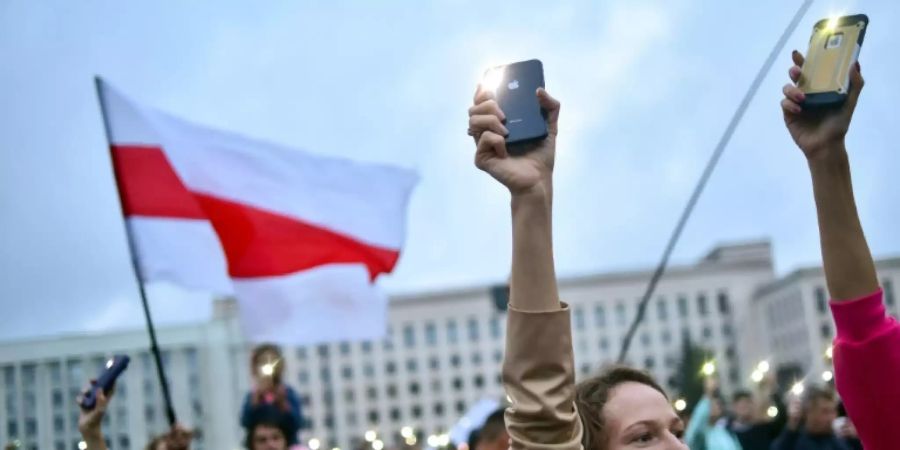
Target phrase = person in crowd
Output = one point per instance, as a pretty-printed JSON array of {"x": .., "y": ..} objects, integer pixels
[
  {"x": 706, "y": 431},
  {"x": 845, "y": 430},
  {"x": 492, "y": 435},
  {"x": 867, "y": 343},
  {"x": 621, "y": 408},
  {"x": 270, "y": 394},
  {"x": 90, "y": 425},
  {"x": 268, "y": 430},
  {"x": 810, "y": 423},
  {"x": 751, "y": 422}
]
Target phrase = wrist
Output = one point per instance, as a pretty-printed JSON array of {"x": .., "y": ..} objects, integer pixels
[
  {"x": 538, "y": 194},
  {"x": 828, "y": 157},
  {"x": 91, "y": 436}
]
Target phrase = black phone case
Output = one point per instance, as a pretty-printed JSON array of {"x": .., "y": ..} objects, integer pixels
[
  {"x": 105, "y": 381},
  {"x": 525, "y": 119}
]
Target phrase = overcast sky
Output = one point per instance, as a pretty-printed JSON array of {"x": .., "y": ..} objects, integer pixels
[{"x": 647, "y": 88}]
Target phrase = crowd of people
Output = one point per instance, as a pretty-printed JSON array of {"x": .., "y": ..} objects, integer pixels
[{"x": 623, "y": 407}]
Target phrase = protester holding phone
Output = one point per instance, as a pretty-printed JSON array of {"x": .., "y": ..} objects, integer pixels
[
  {"x": 867, "y": 346},
  {"x": 271, "y": 397},
  {"x": 705, "y": 430},
  {"x": 619, "y": 409},
  {"x": 809, "y": 424}
]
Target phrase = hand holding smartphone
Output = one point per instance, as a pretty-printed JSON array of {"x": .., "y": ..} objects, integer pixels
[{"x": 106, "y": 381}]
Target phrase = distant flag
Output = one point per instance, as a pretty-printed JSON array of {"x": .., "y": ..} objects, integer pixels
[{"x": 298, "y": 238}]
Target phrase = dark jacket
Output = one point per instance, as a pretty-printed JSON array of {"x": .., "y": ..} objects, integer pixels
[
  {"x": 800, "y": 440},
  {"x": 293, "y": 419}
]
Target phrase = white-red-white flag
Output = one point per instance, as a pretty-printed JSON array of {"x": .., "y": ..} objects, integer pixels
[{"x": 298, "y": 238}]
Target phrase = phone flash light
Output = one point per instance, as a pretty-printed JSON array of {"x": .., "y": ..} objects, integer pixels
[
  {"x": 827, "y": 376},
  {"x": 832, "y": 23},
  {"x": 267, "y": 369},
  {"x": 797, "y": 388},
  {"x": 109, "y": 364},
  {"x": 772, "y": 412},
  {"x": 709, "y": 368},
  {"x": 680, "y": 405},
  {"x": 763, "y": 367},
  {"x": 493, "y": 78},
  {"x": 757, "y": 376}
]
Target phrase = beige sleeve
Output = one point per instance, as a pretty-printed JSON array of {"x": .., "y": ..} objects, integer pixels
[{"x": 539, "y": 377}]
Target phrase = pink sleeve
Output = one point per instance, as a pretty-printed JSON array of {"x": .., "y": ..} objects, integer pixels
[{"x": 867, "y": 368}]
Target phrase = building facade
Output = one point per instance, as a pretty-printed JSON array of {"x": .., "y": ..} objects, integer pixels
[{"x": 442, "y": 353}]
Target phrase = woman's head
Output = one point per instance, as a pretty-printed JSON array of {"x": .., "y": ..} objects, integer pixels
[{"x": 624, "y": 408}]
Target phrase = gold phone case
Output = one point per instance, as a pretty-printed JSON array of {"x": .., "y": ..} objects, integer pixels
[{"x": 833, "y": 49}]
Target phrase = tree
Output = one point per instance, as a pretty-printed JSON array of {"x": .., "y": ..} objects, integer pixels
[{"x": 689, "y": 379}]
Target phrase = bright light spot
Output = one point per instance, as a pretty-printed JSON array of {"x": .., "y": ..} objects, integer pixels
[
  {"x": 109, "y": 363},
  {"x": 336, "y": 448},
  {"x": 82, "y": 445},
  {"x": 763, "y": 366},
  {"x": 829, "y": 352},
  {"x": 797, "y": 388},
  {"x": 680, "y": 405},
  {"x": 509, "y": 399},
  {"x": 827, "y": 376},
  {"x": 832, "y": 23},
  {"x": 756, "y": 376},
  {"x": 267, "y": 369},
  {"x": 406, "y": 432},
  {"x": 444, "y": 440},
  {"x": 493, "y": 78},
  {"x": 433, "y": 441},
  {"x": 772, "y": 412},
  {"x": 378, "y": 445},
  {"x": 709, "y": 368},
  {"x": 411, "y": 440},
  {"x": 371, "y": 435},
  {"x": 314, "y": 444}
]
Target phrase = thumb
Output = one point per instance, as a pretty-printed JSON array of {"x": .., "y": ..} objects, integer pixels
[
  {"x": 856, "y": 84},
  {"x": 549, "y": 104}
]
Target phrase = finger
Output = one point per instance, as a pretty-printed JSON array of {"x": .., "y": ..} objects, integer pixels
[
  {"x": 492, "y": 142},
  {"x": 794, "y": 72},
  {"x": 794, "y": 93},
  {"x": 487, "y": 107},
  {"x": 549, "y": 104},
  {"x": 798, "y": 58},
  {"x": 479, "y": 124},
  {"x": 482, "y": 94},
  {"x": 790, "y": 107},
  {"x": 102, "y": 400},
  {"x": 856, "y": 85}
]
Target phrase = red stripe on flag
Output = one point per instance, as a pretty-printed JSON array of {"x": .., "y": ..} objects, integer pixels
[
  {"x": 256, "y": 242},
  {"x": 149, "y": 186}
]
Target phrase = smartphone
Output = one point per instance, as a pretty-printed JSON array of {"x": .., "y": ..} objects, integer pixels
[
  {"x": 114, "y": 367},
  {"x": 514, "y": 87},
  {"x": 833, "y": 49}
]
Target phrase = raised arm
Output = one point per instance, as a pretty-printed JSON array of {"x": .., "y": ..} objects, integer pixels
[
  {"x": 867, "y": 346},
  {"x": 538, "y": 369},
  {"x": 90, "y": 422},
  {"x": 849, "y": 270}
]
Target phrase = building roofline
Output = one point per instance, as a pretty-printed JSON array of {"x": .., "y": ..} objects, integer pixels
[{"x": 889, "y": 262}]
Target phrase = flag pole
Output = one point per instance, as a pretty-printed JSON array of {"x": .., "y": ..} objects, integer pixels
[
  {"x": 154, "y": 346},
  {"x": 710, "y": 166}
]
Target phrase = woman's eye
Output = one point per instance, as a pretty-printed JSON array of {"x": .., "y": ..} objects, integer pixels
[{"x": 644, "y": 438}]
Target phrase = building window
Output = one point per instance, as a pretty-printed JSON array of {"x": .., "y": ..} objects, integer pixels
[
  {"x": 645, "y": 339},
  {"x": 434, "y": 363},
  {"x": 303, "y": 377},
  {"x": 826, "y": 331},
  {"x": 392, "y": 391},
  {"x": 821, "y": 300},
  {"x": 348, "y": 373},
  {"x": 452, "y": 332},
  {"x": 726, "y": 330},
  {"x": 621, "y": 318},
  {"x": 345, "y": 348},
  {"x": 389, "y": 339},
  {"x": 325, "y": 375},
  {"x": 367, "y": 347},
  {"x": 473, "y": 330},
  {"x": 476, "y": 359},
  {"x": 351, "y": 419},
  {"x": 460, "y": 407},
  {"x": 373, "y": 416},
  {"x": 479, "y": 381},
  {"x": 390, "y": 368},
  {"x": 604, "y": 344},
  {"x": 496, "y": 332},
  {"x": 662, "y": 311},
  {"x": 438, "y": 409},
  {"x": 369, "y": 369},
  {"x": 301, "y": 353},
  {"x": 707, "y": 332},
  {"x": 414, "y": 388},
  {"x": 579, "y": 317},
  {"x": 702, "y": 307},
  {"x": 372, "y": 393},
  {"x": 395, "y": 414},
  {"x": 498, "y": 356},
  {"x": 724, "y": 304},
  {"x": 409, "y": 336},
  {"x": 411, "y": 365},
  {"x": 431, "y": 334},
  {"x": 457, "y": 383},
  {"x": 682, "y": 306},
  {"x": 600, "y": 315},
  {"x": 649, "y": 363},
  {"x": 454, "y": 360},
  {"x": 416, "y": 412},
  {"x": 666, "y": 337},
  {"x": 435, "y": 386}
]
